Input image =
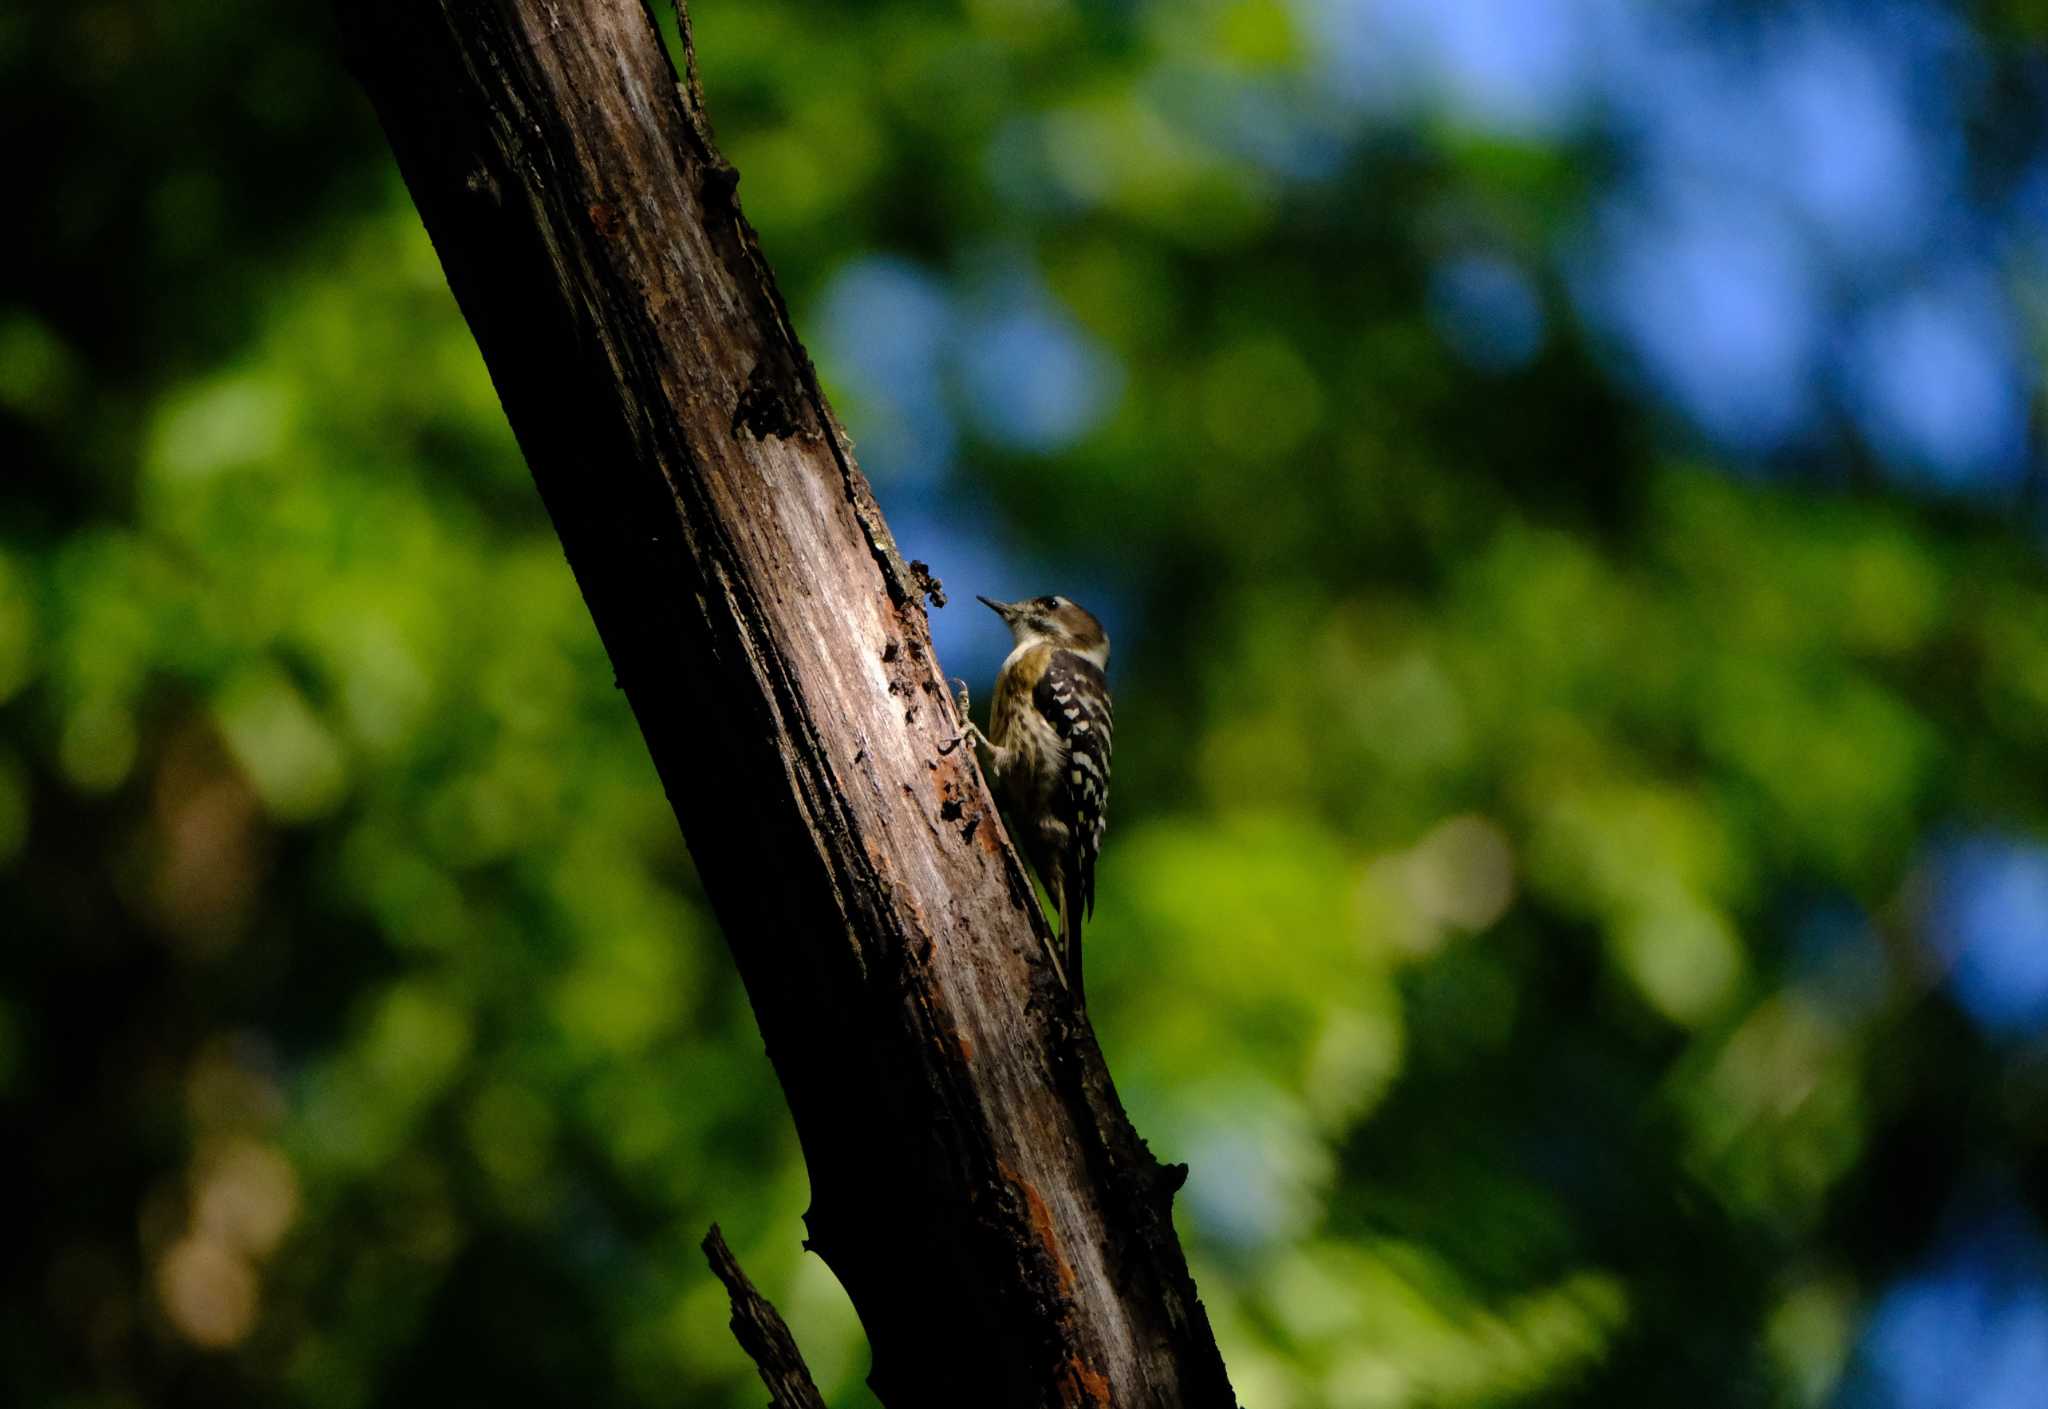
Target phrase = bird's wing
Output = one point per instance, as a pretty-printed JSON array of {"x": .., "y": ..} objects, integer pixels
[{"x": 1073, "y": 697}]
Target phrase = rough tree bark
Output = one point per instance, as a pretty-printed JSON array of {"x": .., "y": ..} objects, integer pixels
[
  {"x": 1003, "y": 1232},
  {"x": 762, "y": 1333}
]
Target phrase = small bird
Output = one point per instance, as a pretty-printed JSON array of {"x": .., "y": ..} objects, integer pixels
[{"x": 1047, "y": 753}]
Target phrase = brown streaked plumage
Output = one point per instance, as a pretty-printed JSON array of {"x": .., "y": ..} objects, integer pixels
[{"x": 1047, "y": 753}]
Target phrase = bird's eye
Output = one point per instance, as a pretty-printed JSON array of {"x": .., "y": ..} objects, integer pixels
[{"x": 1049, "y": 603}]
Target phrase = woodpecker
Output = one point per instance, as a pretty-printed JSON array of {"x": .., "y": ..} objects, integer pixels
[{"x": 1047, "y": 753}]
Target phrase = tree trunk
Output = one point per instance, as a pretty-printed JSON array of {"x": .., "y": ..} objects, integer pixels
[{"x": 1003, "y": 1232}]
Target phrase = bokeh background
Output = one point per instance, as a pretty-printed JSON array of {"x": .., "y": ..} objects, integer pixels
[{"x": 1563, "y": 480}]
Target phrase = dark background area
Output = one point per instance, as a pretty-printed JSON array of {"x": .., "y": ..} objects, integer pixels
[{"x": 1564, "y": 482}]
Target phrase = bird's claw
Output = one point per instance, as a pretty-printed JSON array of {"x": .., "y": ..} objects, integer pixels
[{"x": 966, "y": 725}]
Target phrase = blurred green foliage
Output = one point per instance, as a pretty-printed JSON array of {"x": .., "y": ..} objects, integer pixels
[{"x": 1515, "y": 903}]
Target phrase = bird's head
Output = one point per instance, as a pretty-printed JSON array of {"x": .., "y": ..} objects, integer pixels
[{"x": 1066, "y": 624}]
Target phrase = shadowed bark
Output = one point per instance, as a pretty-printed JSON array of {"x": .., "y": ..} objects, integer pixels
[
  {"x": 762, "y": 1333},
  {"x": 1003, "y": 1232}
]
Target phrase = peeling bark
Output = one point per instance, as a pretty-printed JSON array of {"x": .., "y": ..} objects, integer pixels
[{"x": 1004, "y": 1234}]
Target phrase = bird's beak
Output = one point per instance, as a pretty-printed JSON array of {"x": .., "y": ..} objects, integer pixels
[{"x": 1001, "y": 609}]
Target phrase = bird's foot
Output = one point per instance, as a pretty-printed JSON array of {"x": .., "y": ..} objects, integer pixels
[{"x": 968, "y": 733}]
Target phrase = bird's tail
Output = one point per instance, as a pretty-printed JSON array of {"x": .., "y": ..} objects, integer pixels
[{"x": 1072, "y": 905}]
